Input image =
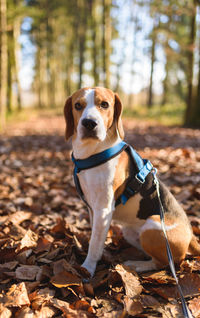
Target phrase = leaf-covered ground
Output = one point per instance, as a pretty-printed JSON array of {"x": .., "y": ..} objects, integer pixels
[{"x": 44, "y": 228}]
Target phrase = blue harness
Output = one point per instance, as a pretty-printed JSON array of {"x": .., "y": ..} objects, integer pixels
[{"x": 143, "y": 168}]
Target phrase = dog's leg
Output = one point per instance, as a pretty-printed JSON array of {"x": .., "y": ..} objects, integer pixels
[
  {"x": 101, "y": 223},
  {"x": 153, "y": 243}
]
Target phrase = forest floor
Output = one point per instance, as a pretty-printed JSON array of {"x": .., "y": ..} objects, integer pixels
[{"x": 44, "y": 228}]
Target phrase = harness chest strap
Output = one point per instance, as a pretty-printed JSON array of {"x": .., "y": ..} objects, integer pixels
[{"x": 143, "y": 167}]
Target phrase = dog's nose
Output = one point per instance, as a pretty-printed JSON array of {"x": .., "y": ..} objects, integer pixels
[{"x": 90, "y": 124}]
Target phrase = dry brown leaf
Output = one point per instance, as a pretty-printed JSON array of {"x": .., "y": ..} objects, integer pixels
[
  {"x": 46, "y": 312},
  {"x": 27, "y": 272},
  {"x": 60, "y": 227},
  {"x": 190, "y": 284},
  {"x": 19, "y": 216},
  {"x": 131, "y": 282},
  {"x": 8, "y": 266},
  {"x": 41, "y": 297},
  {"x": 100, "y": 278},
  {"x": 65, "y": 279},
  {"x": 29, "y": 240},
  {"x": 88, "y": 288},
  {"x": 63, "y": 265},
  {"x": 132, "y": 306},
  {"x": 16, "y": 296},
  {"x": 107, "y": 307},
  {"x": 82, "y": 305},
  {"x": 42, "y": 245},
  {"x": 172, "y": 311},
  {"x": 25, "y": 312},
  {"x": 149, "y": 301},
  {"x": 160, "y": 277},
  {"x": 5, "y": 312},
  {"x": 65, "y": 308},
  {"x": 194, "y": 306}
]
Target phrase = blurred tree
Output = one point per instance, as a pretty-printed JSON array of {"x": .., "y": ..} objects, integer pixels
[
  {"x": 190, "y": 73},
  {"x": 4, "y": 62},
  {"x": 155, "y": 10},
  {"x": 93, "y": 5},
  {"x": 106, "y": 40}
]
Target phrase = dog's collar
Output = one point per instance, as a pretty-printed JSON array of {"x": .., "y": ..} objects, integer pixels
[{"x": 99, "y": 158}]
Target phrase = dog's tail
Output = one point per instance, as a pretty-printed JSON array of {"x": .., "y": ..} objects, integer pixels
[{"x": 194, "y": 247}]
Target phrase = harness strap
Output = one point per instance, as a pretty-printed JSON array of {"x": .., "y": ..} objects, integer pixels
[
  {"x": 133, "y": 186},
  {"x": 99, "y": 158},
  {"x": 94, "y": 161}
]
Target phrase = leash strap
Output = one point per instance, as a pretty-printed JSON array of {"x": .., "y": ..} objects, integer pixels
[{"x": 186, "y": 311}]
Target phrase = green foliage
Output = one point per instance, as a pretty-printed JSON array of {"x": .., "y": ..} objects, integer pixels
[{"x": 169, "y": 114}]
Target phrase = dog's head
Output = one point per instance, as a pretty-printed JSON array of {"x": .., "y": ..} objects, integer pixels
[{"x": 92, "y": 113}]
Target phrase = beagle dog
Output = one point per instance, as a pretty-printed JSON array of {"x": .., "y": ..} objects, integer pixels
[{"x": 93, "y": 120}]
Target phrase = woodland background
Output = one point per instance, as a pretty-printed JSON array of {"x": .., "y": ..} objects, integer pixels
[
  {"x": 146, "y": 50},
  {"x": 149, "y": 52}
]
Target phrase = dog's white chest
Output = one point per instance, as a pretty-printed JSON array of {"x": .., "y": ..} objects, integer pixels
[{"x": 97, "y": 184}]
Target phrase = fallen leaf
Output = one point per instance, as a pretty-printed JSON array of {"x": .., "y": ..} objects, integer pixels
[
  {"x": 29, "y": 240},
  {"x": 65, "y": 279},
  {"x": 83, "y": 305},
  {"x": 190, "y": 284},
  {"x": 63, "y": 265},
  {"x": 5, "y": 312},
  {"x": 27, "y": 272},
  {"x": 19, "y": 217},
  {"x": 194, "y": 306},
  {"x": 131, "y": 282},
  {"x": 42, "y": 245},
  {"x": 16, "y": 296},
  {"x": 159, "y": 277},
  {"x": 25, "y": 312},
  {"x": 8, "y": 266},
  {"x": 132, "y": 306}
]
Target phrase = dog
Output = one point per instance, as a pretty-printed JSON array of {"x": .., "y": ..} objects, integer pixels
[{"x": 93, "y": 120}]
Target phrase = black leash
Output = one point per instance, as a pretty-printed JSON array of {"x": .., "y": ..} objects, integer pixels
[{"x": 186, "y": 311}]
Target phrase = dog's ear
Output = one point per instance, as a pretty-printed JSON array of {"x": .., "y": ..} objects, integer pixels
[
  {"x": 69, "y": 118},
  {"x": 117, "y": 116}
]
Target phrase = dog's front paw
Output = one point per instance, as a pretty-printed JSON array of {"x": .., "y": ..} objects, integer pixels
[{"x": 90, "y": 267}]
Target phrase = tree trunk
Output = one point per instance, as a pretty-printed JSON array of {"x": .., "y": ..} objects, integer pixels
[
  {"x": 82, "y": 38},
  {"x": 95, "y": 72},
  {"x": 4, "y": 61},
  {"x": 190, "y": 100},
  {"x": 150, "y": 97},
  {"x": 165, "y": 83},
  {"x": 9, "y": 81},
  {"x": 106, "y": 39},
  {"x": 198, "y": 88},
  {"x": 134, "y": 20},
  {"x": 16, "y": 34}
]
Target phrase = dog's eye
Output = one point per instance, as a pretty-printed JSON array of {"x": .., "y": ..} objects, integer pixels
[
  {"x": 104, "y": 105},
  {"x": 78, "y": 106}
]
